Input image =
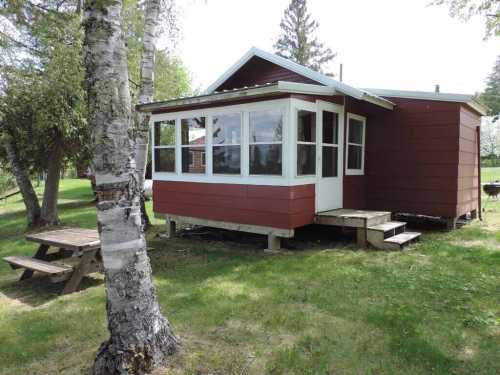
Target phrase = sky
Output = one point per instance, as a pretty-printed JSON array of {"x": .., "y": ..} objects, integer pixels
[{"x": 390, "y": 44}]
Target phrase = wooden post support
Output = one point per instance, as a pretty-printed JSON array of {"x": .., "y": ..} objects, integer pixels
[
  {"x": 170, "y": 228},
  {"x": 273, "y": 243},
  {"x": 451, "y": 223},
  {"x": 361, "y": 237}
]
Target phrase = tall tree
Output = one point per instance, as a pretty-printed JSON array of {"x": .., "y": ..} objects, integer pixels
[
  {"x": 491, "y": 95},
  {"x": 140, "y": 337},
  {"x": 297, "y": 41},
  {"x": 46, "y": 79},
  {"x": 146, "y": 91},
  {"x": 465, "y": 9}
]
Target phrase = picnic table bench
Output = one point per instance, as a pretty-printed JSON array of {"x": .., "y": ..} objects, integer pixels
[{"x": 77, "y": 254}]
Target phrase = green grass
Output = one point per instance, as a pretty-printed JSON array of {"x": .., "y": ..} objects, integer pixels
[
  {"x": 329, "y": 308},
  {"x": 490, "y": 174}
]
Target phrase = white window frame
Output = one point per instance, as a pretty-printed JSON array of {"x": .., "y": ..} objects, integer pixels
[
  {"x": 282, "y": 142},
  {"x": 240, "y": 144},
  {"x": 297, "y": 142},
  {"x": 174, "y": 147},
  {"x": 285, "y": 179},
  {"x": 188, "y": 146},
  {"x": 360, "y": 171}
]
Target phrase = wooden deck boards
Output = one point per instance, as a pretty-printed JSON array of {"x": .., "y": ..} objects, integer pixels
[{"x": 352, "y": 218}]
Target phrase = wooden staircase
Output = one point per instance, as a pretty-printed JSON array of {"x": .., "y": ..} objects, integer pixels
[{"x": 372, "y": 227}]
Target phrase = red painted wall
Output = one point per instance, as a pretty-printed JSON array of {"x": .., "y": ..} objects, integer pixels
[
  {"x": 258, "y": 71},
  {"x": 284, "y": 207},
  {"x": 420, "y": 159}
]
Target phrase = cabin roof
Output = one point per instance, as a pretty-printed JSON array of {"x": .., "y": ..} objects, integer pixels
[
  {"x": 325, "y": 86},
  {"x": 437, "y": 96},
  {"x": 322, "y": 79},
  {"x": 269, "y": 90}
]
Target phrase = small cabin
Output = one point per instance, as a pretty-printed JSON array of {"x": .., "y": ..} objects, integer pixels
[{"x": 272, "y": 146}]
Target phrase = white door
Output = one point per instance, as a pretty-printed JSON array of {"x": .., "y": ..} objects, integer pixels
[{"x": 330, "y": 135}]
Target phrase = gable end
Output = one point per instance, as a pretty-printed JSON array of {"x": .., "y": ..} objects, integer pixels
[{"x": 258, "y": 71}]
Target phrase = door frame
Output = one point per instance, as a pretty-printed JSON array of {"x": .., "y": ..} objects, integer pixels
[{"x": 321, "y": 106}]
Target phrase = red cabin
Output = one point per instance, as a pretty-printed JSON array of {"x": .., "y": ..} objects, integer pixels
[{"x": 272, "y": 146}]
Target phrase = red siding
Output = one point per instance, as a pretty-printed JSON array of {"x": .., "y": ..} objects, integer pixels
[
  {"x": 414, "y": 157},
  {"x": 258, "y": 71},
  {"x": 285, "y": 207}
]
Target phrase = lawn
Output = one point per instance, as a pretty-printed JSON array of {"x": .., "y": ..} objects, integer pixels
[{"x": 325, "y": 307}]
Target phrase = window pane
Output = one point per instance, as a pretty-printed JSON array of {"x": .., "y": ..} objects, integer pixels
[
  {"x": 193, "y": 131},
  {"x": 306, "y": 126},
  {"x": 164, "y": 159},
  {"x": 265, "y": 159},
  {"x": 330, "y": 163},
  {"x": 227, "y": 129},
  {"x": 226, "y": 159},
  {"x": 164, "y": 133},
  {"x": 193, "y": 160},
  {"x": 306, "y": 159},
  {"x": 355, "y": 131},
  {"x": 330, "y": 128},
  {"x": 266, "y": 126},
  {"x": 354, "y": 155}
]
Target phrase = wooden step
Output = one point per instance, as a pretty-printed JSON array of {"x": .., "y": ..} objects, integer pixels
[
  {"x": 37, "y": 265},
  {"x": 387, "y": 226},
  {"x": 400, "y": 240}
]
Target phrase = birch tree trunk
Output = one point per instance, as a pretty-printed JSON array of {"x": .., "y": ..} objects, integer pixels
[
  {"x": 24, "y": 183},
  {"x": 140, "y": 337},
  {"x": 51, "y": 189},
  {"x": 146, "y": 91}
]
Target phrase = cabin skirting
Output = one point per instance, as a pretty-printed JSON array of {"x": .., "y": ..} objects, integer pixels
[{"x": 284, "y": 207}]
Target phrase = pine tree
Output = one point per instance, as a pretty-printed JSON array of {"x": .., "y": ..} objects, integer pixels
[
  {"x": 297, "y": 41},
  {"x": 491, "y": 95}
]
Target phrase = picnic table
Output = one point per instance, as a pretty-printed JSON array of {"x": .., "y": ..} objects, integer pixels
[{"x": 77, "y": 253}]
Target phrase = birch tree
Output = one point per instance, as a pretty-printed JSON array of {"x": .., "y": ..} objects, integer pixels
[
  {"x": 140, "y": 337},
  {"x": 146, "y": 90}
]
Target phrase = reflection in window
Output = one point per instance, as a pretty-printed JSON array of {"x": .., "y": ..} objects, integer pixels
[
  {"x": 165, "y": 159},
  {"x": 164, "y": 146},
  {"x": 226, "y": 151},
  {"x": 330, "y": 126},
  {"x": 265, "y": 159},
  {"x": 306, "y": 143},
  {"x": 265, "y": 144},
  {"x": 266, "y": 126},
  {"x": 193, "y": 134},
  {"x": 355, "y": 145}
]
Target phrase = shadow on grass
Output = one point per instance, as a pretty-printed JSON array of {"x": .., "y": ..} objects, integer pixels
[{"x": 39, "y": 290}]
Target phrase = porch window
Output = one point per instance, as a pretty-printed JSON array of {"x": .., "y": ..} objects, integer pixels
[
  {"x": 306, "y": 143},
  {"x": 226, "y": 138},
  {"x": 330, "y": 122},
  {"x": 193, "y": 134},
  {"x": 164, "y": 146},
  {"x": 355, "y": 144},
  {"x": 265, "y": 143}
]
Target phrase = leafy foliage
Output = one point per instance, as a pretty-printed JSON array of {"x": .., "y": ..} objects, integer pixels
[
  {"x": 171, "y": 77},
  {"x": 491, "y": 95},
  {"x": 297, "y": 41},
  {"x": 43, "y": 102},
  {"x": 465, "y": 9}
]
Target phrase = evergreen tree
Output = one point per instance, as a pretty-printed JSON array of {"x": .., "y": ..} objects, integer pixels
[
  {"x": 491, "y": 95},
  {"x": 297, "y": 41}
]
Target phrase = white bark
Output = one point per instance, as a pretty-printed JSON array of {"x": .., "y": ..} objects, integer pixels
[
  {"x": 146, "y": 91},
  {"x": 140, "y": 337}
]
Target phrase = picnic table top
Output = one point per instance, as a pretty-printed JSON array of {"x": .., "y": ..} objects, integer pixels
[{"x": 68, "y": 238}]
